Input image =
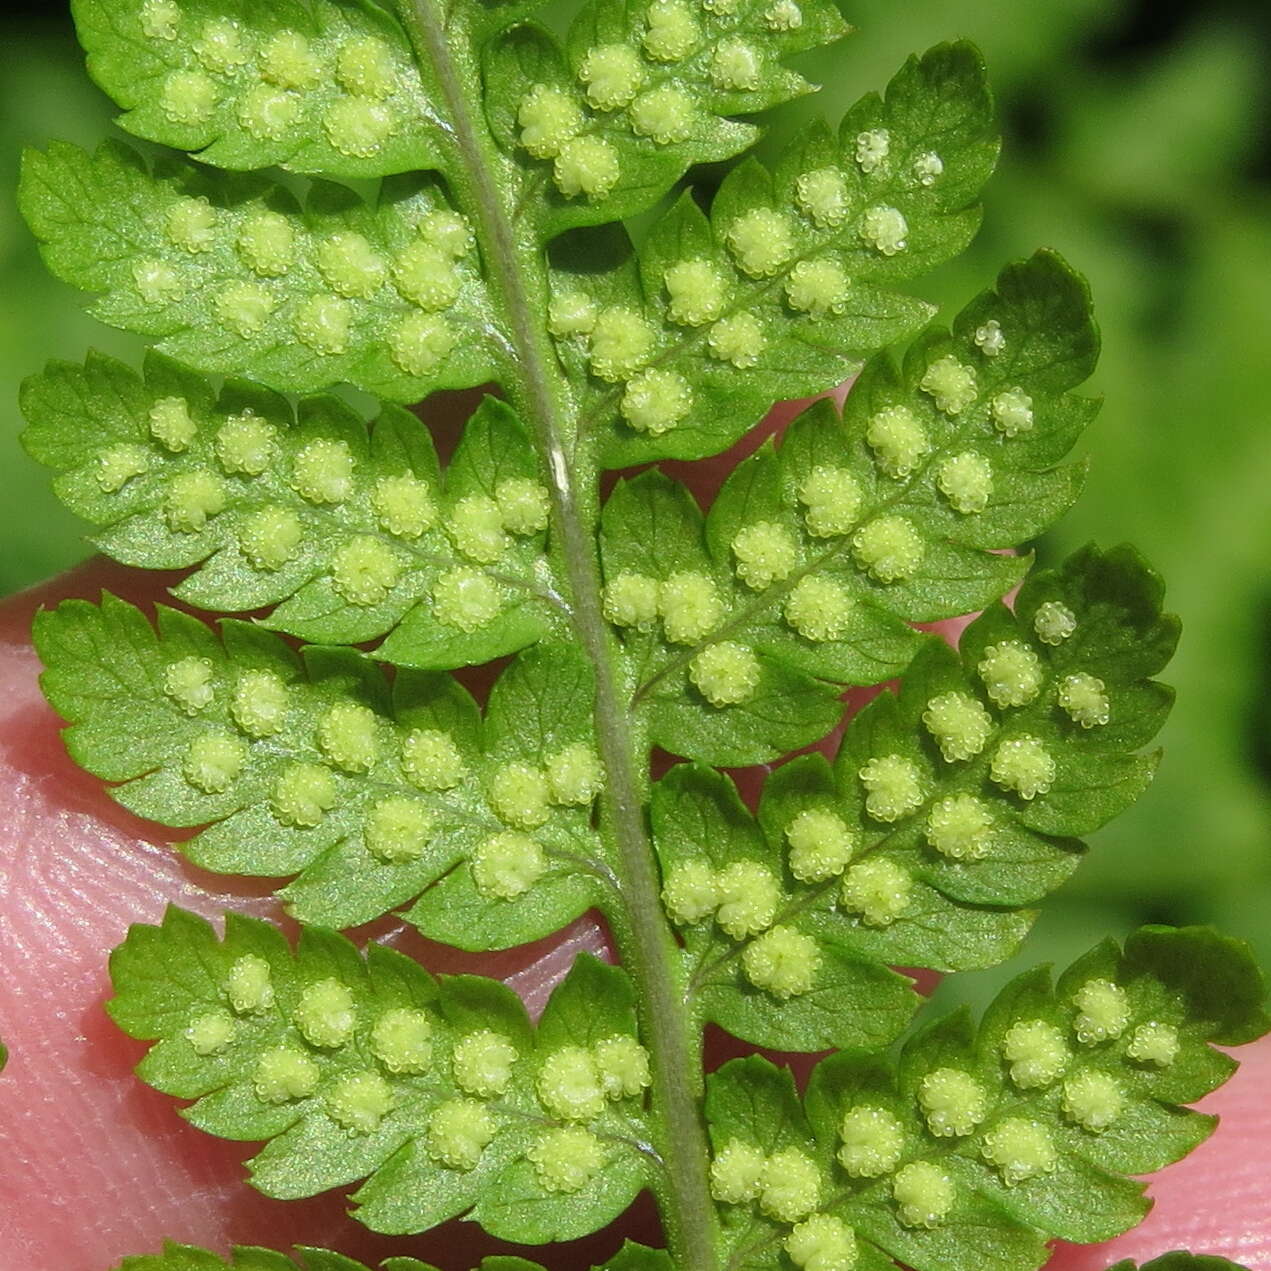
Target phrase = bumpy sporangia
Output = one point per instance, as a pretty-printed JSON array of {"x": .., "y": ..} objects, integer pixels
[{"x": 469, "y": 200}]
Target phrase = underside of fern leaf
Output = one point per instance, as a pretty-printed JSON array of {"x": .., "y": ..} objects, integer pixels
[
  {"x": 455, "y": 210},
  {"x": 631, "y": 1257},
  {"x": 441, "y": 1093},
  {"x": 987, "y": 1142}
]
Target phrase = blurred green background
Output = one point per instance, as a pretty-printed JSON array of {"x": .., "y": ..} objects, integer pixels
[{"x": 1137, "y": 143}]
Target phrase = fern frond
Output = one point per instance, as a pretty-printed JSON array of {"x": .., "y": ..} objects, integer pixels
[
  {"x": 949, "y": 809},
  {"x": 440, "y": 1093},
  {"x": 984, "y": 1143},
  {"x": 1180, "y": 1260},
  {"x": 231, "y": 273},
  {"x": 493, "y": 254},
  {"x": 790, "y": 281},
  {"x": 817, "y": 553},
  {"x": 604, "y": 126},
  {"x": 349, "y": 531},
  {"x": 631, "y": 1257},
  {"x": 310, "y": 764},
  {"x": 327, "y": 87}
]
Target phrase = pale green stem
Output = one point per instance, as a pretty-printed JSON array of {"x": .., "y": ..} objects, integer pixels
[{"x": 515, "y": 271}]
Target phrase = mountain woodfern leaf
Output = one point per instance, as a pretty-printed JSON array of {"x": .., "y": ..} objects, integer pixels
[
  {"x": 399, "y": 197},
  {"x": 632, "y": 1257}
]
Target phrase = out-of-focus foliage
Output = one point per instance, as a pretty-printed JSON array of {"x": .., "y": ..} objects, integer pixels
[
  {"x": 43, "y": 94},
  {"x": 1144, "y": 161}
]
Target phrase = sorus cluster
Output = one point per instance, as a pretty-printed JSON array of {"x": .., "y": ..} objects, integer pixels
[
  {"x": 351, "y": 738},
  {"x": 821, "y": 847},
  {"x": 350, "y": 83},
  {"x": 952, "y": 1103},
  {"x": 620, "y": 342},
  {"x": 647, "y": 88},
  {"x": 564, "y": 1158},
  {"x": 709, "y": 295},
  {"x": 873, "y": 1144},
  {"x": 899, "y": 438},
  {"x": 786, "y": 1184},
  {"x": 324, "y": 473},
  {"x": 325, "y": 1023},
  {"x": 788, "y": 1187},
  {"x": 329, "y": 289},
  {"x": 574, "y": 1085},
  {"x": 506, "y": 864},
  {"x": 744, "y": 899},
  {"x": 691, "y": 608}
]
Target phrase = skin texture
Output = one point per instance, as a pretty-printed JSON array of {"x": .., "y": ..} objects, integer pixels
[{"x": 97, "y": 1166}]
